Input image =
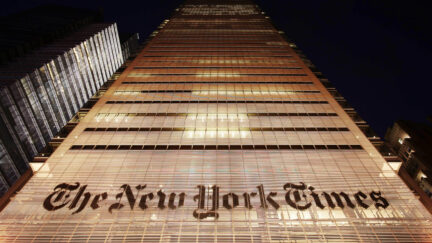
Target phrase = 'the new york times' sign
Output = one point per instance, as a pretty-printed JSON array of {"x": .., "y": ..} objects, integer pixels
[{"x": 298, "y": 196}]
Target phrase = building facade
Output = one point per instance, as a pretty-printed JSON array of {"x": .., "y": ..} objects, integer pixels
[
  {"x": 129, "y": 44},
  {"x": 216, "y": 132},
  {"x": 411, "y": 142},
  {"x": 40, "y": 92}
]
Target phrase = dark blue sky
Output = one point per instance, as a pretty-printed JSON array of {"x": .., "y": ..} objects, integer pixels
[{"x": 376, "y": 53}]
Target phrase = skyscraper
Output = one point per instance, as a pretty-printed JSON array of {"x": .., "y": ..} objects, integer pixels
[
  {"x": 43, "y": 90},
  {"x": 217, "y": 131}
]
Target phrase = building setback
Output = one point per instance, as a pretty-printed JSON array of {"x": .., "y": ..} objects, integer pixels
[{"x": 217, "y": 131}]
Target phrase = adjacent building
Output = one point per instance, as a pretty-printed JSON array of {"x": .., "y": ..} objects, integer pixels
[
  {"x": 411, "y": 141},
  {"x": 43, "y": 88},
  {"x": 129, "y": 44},
  {"x": 217, "y": 131}
]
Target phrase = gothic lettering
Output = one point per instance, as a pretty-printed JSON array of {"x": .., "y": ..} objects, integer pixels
[
  {"x": 61, "y": 194},
  {"x": 200, "y": 197},
  {"x": 226, "y": 199},
  {"x": 262, "y": 196},
  {"x": 144, "y": 199},
  {"x": 172, "y": 199},
  {"x": 247, "y": 199},
  {"x": 269, "y": 199},
  {"x": 200, "y": 212},
  {"x": 316, "y": 198},
  {"x": 77, "y": 198},
  {"x": 297, "y": 198},
  {"x": 338, "y": 200},
  {"x": 129, "y": 195},
  {"x": 359, "y": 197},
  {"x": 96, "y": 200},
  {"x": 380, "y": 202},
  {"x": 161, "y": 196}
]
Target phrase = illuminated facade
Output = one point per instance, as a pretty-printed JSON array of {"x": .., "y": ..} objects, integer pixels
[
  {"x": 216, "y": 132},
  {"x": 411, "y": 142},
  {"x": 40, "y": 93}
]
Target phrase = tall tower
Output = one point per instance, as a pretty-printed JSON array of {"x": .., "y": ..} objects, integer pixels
[
  {"x": 41, "y": 91},
  {"x": 216, "y": 132}
]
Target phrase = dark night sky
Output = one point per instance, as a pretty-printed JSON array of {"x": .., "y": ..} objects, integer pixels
[{"x": 376, "y": 53}]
